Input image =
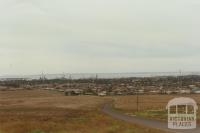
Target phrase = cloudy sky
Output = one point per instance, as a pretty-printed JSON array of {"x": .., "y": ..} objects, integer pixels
[{"x": 79, "y": 36}]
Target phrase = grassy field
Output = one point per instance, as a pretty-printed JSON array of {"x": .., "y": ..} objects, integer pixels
[
  {"x": 38, "y": 111},
  {"x": 150, "y": 106}
]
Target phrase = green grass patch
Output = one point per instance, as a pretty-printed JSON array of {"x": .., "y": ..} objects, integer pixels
[
  {"x": 37, "y": 131},
  {"x": 153, "y": 114}
]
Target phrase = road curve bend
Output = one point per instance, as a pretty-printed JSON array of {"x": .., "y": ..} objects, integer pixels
[{"x": 109, "y": 110}]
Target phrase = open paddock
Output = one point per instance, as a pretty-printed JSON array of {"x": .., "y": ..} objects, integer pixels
[{"x": 41, "y": 111}]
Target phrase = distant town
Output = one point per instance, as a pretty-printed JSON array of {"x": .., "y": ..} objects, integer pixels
[{"x": 165, "y": 85}]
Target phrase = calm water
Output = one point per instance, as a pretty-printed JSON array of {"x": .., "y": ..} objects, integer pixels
[{"x": 101, "y": 75}]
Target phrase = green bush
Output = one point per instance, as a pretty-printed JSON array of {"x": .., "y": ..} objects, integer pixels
[{"x": 37, "y": 131}]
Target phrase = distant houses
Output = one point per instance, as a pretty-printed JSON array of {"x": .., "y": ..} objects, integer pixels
[
  {"x": 112, "y": 87},
  {"x": 196, "y": 91},
  {"x": 102, "y": 93},
  {"x": 119, "y": 89},
  {"x": 73, "y": 92},
  {"x": 185, "y": 91}
]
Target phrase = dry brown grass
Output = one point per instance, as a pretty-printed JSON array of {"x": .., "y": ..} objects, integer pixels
[
  {"x": 47, "y": 99},
  {"x": 147, "y": 101},
  {"x": 51, "y": 112},
  {"x": 151, "y": 106}
]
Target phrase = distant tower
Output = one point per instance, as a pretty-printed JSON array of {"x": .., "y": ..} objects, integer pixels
[
  {"x": 63, "y": 76},
  {"x": 96, "y": 76},
  {"x": 70, "y": 77},
  {"x": 42, "y": 77}
]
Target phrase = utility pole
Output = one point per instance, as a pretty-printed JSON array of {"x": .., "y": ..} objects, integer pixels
[
  {"x": 63, "y": 76},
  {"x": 96, "y": 76},
  {"x": 70, "y": 77},
  {"x": 70, "y": 80},
  {"x": 137, "y": 97},
  {"x": 166, "y": 85},
  {"x": 95, "y": 83},
  {"x": 42, "y": 77},
  {"x": 137, "y": 101},
  {"x": 180, "y": 81}
]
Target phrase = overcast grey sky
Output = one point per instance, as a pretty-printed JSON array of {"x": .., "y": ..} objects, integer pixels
[{"x": 78, "y": 36}]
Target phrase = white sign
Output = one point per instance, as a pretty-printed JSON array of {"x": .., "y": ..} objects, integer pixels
[{"x": 182, "y": 113}]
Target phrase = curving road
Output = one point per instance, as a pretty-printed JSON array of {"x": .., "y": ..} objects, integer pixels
[{"x": 108, "y": 109}]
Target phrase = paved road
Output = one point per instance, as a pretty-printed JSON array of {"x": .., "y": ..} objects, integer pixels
[{"x": 145, "y": 122}]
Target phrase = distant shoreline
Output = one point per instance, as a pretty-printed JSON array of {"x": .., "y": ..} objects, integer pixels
[{"x": 100, "y": 75}]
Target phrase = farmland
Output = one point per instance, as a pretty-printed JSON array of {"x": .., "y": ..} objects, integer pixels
[{"x": 40, "y": 111}]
